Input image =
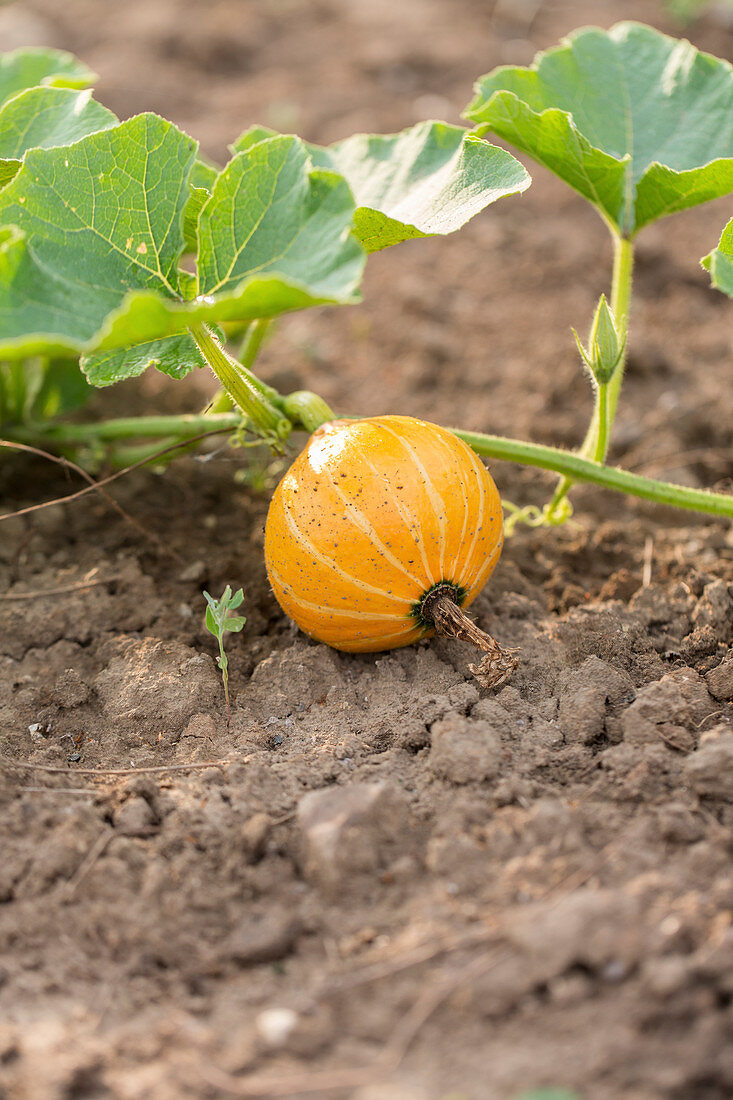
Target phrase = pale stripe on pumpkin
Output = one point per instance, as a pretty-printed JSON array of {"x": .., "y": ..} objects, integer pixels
[
  {"x": 431, "y": 577},
  {"x": 332, "y": 612},
  {"x": 436, "y": 501},
  {"x": 484, "y": 572},
  {"x": 479, "y": 516},
  {"x": 310, "y": 547},
  {"x": 448, "y": 444},
  {"x": 359, "y": 520},
  {"x": 409, "y": 521}
]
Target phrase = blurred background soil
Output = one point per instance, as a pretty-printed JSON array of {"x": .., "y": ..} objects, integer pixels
[{"x": 396, "y": 889}]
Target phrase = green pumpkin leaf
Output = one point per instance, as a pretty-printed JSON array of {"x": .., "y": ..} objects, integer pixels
[
  {"x": 188, "y": 283},
  {"x": 282, "y": 226},
  {"x": 40, "y": 118},
  {"x": 40, "y": 389},
  {"x": 638, "y": 123},
  {"x": 93, "y": 237},
  {"x": 203, "y": 173},
  {"x": 429, "y": 179},
  {"x": 719, "y": 262},
  {"x": 62, "y": 389},
  {"x": 27, "y": 68},
  {"x": 175, "y": 356},
  {"x": 273, "y": 236},
  {"x": 94, "y": 221},
  {"x": 8, "y": 168}
]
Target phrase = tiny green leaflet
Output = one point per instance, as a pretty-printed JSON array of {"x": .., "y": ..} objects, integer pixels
[{"x": 220, "y": 621}]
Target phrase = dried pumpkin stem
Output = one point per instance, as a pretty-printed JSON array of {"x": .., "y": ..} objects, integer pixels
[{"x": 449, "y": 620}]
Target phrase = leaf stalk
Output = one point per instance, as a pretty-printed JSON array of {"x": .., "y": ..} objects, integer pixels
[
  {"x": 251, "y": 395},
  {"x": 621, "y": 286},
  {"x": 252, "y": 342},
  {"x": 603, "y": 427}
]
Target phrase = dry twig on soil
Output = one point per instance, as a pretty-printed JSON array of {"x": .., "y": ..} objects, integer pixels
[
  {"x": 62, "y": 590},
  {"x": 8, "y": 764},
  {"x": 93, "y": 486}
]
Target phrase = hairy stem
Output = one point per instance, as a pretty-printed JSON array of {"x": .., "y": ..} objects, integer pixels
[
  {"x": 252, "y": 396},
  {"x": 307, "y": 409},
  {"x": 623, "y": 271},
  {"x": 224, "y": 666},
  {"x": 623, "y": 267},
  {"x": 126, "y": 427},
  {"x": 252, "y": 342},
  {"x": 249, "y": 348},
  {"x": 571, "y": 465},
  {"x": 577, "y": 468},
  {"x": 603, "y": 428},
  {"x": 129, "y": 454}
]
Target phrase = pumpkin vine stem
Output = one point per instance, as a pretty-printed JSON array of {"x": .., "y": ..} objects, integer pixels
[
  {"x": 451, "y": 621},
  {"x": 182, "y": 427}
]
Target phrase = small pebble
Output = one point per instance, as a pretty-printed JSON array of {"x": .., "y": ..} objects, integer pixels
[{"x": 276, "y": 1025}]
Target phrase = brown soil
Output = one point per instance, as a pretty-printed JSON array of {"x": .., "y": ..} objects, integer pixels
[{"x": 396, "y": 888}]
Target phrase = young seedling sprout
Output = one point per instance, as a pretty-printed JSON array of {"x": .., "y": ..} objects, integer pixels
[{"x": 219, "y": 620}]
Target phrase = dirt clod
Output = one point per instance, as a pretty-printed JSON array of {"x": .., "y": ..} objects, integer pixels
[
  {"x": 136, "y": 818},
  {"x": 255, "y": 832},
  {"x": 351, "y": 832},
  {"x": 70, "y": 690},
  {"x": 710, "y": 770},
  {"x": 679, "y": 701},
  {"x": 720, "y": 681},
  {"x": 585, "y": 696},
  {"x": 262, "y": 941},
  {"x": 592, "y": 928},
  {"x": 150, "y": 681},
  {"x": 464, "y": 750},
  {"x": 715, "y": 609}
]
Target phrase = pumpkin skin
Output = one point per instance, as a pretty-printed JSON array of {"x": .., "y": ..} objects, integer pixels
[{"x": 372, "y": 516}]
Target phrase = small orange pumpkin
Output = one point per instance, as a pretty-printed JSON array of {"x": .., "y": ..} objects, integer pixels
[{"x": 373, "y": 522}]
